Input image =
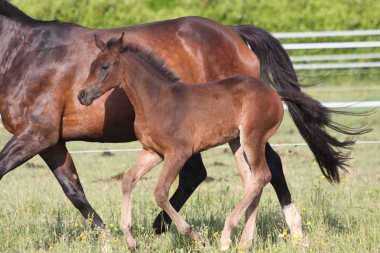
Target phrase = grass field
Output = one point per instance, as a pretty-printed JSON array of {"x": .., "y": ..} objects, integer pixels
[{"x": 35, "y": 215}]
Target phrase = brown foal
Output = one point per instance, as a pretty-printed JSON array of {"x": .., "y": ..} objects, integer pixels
[{"x": 175, "y": 120}]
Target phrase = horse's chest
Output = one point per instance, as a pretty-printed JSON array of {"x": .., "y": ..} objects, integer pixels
[{"x": 141, "y": 131}]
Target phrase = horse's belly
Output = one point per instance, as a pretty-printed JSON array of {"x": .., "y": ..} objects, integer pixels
[{"x": 210, "y": 139}]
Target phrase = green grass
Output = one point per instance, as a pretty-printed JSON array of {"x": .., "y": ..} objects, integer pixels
[{"x": 35, "y": 215}]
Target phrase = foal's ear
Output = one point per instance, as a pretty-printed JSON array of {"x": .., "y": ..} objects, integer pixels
[
  {"x": 99, "y": 43},
  {"x": 120, "y": 42}
]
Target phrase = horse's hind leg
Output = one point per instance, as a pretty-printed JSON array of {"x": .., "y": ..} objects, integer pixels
[
  {"x": 260, "y": 177},
  {"x": 247, "y": 179},
  {"x": 292, "y": 216},
  {"x": 60, "y": 163},
  {"x": 191, "y": 176},
  {"x": 146, "y": 161},
  {"x": 172, "y": 166}
]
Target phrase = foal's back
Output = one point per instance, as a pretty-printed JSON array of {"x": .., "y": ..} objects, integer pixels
[{"x": 206, "y": 115}]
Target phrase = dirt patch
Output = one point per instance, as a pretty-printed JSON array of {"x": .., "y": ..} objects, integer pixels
[{"x": 107, "y": 153}]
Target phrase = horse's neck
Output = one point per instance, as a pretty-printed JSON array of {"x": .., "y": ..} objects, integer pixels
[
  {"x": 14, "y": 33},
  {"x": 143, "y": 84}
]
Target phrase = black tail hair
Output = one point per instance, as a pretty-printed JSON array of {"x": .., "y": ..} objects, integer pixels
[{"x": 309, "y": 115}]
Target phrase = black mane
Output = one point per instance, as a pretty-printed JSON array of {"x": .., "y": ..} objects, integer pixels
[
  {"x": 11, "y": 11},
  {"x": 148, "y": 57}
]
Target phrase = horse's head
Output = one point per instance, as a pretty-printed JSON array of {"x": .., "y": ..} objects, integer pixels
[{"x": 105, "y": 72}]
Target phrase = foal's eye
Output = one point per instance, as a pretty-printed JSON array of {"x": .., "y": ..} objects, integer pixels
[{"x": 105, "y": 66}]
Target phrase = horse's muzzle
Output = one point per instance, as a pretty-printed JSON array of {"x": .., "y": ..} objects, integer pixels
[{"x": 84, "y": 98}]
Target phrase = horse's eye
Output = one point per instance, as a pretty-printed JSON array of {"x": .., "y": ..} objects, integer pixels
[{"x": 105, "y": 66}]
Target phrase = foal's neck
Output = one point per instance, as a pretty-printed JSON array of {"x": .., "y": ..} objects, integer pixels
[{"x": 142, "y": 83}]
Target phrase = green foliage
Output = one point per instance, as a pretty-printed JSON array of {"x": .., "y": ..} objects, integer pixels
[{"x": 274, "y": 16}]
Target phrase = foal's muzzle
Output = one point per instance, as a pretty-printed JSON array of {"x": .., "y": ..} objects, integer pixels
[{"x": 86, "y": 98}]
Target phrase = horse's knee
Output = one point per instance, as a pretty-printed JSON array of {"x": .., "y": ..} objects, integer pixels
[
  {"x": 161, "y": 198},
  {"x": 4, "y": 169},
  {"x": 266, "y": 175}
]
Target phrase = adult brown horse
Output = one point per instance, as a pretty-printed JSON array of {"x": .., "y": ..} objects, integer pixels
[{"x": 43, "y": 64}]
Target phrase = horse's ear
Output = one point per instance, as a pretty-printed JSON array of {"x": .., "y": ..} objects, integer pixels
[
  {"x": 120, "y": 42},
  {"x": 99, "y": 43}
]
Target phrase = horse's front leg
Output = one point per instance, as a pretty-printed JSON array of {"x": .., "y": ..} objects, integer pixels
[
  {"x": 61, "y": 164},
  {"x": 190, "y": 177},
  {"x": 146, "y": 161},
  {"x": 23, "y": 146},
  {"x": 172, "y": 165}
]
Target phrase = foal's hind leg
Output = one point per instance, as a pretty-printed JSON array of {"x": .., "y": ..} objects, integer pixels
[
  {"x": 247, "y": 179},
  {"x": 172, "y": 166},
  {"x": 146, "y": 161},
  {"x": 292, "y": 216},
  {"x": 260, "y": 177}
]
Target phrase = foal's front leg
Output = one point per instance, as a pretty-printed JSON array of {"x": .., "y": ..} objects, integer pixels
[
  {"x": 173, "y": 163},
  {"x": 146, "y": 161}
]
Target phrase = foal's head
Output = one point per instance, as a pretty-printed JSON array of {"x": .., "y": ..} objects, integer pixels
[{"x": 105, "y": 72}]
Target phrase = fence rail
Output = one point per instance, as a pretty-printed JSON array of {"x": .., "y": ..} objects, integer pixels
[
  {"x": 333, "y": 45},
  {"x": 296, "y": 35}
]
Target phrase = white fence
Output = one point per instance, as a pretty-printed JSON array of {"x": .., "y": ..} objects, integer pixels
[{"x": 332, "y": 45}]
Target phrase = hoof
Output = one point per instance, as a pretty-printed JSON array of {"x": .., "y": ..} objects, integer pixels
[
  {"x": 225, "y": 246},
  {"x": 245, "y": 246},
  {"x": 302, "y": 241},
  {"x": 134, "y": 249},
  {"x": 199, "y": 242}
]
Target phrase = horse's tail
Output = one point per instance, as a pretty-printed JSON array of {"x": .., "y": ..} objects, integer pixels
[{"x": 309, "y": 115}]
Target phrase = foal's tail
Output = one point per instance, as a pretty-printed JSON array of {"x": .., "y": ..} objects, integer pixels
[{"x": 309, "y": 115}]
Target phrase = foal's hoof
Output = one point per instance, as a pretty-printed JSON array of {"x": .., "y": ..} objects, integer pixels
[
  {"x": 245, "y": 246},
  {"x": 133, "y": 246},
  {"x": 199, "y": 243},
  {"x": 303, "y": 242},
  {"x": 225, "y": 246},
  {"x": 134, "y": 249}
]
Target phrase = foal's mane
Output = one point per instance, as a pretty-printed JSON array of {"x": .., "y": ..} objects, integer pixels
[{"x": 148, "y": 57}]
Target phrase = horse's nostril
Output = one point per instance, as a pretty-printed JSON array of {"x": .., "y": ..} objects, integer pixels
[{"x": 81, "y": 95}]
